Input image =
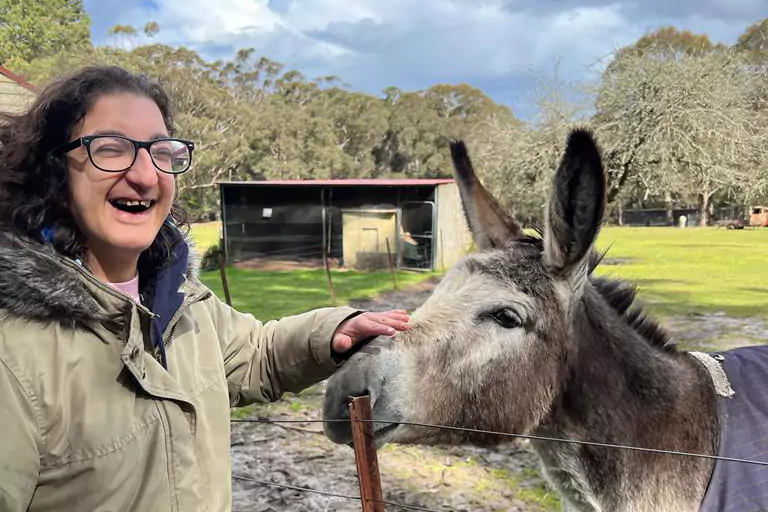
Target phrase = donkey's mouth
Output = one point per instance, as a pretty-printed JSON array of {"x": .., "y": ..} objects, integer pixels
[
  {"x": 386, "y": 429},
  {"x": 385, "y": 434},
  {"x": 381, "y": 435}
]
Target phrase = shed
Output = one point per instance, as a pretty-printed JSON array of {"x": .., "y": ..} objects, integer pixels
[
  {"x": 357, "y": 223},
  {"x": 16, "y": 94},
  {"x": 758, "y": 216}
]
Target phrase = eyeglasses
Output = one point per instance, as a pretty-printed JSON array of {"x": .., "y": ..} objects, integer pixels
[{"x": 115, "y": 153}]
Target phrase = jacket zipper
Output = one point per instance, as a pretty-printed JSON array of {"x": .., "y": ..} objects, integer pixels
[{"x": 169, "y": 330}]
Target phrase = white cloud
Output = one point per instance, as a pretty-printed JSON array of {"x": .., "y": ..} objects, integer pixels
[
  {"x": 448, "y": 41},
  {"x": 318, "y": 14},
  {"x": 372, "y": 44},
  {"x": 203, "y": 21}
]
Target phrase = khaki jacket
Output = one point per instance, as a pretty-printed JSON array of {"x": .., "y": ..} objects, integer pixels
[{"x": 90, "y": 420}]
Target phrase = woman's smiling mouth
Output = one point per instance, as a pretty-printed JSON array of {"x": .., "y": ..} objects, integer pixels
[{"x": 132, "y": 210}]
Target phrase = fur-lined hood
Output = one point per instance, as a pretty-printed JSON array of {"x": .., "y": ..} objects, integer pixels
[{"x": 37, "y": 283}]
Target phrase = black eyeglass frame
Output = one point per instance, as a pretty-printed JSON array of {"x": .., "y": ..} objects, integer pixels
[{"x": 86, "y": 140}]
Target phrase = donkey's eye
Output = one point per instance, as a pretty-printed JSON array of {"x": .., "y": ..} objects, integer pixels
[{"x": 506, "y": 318}]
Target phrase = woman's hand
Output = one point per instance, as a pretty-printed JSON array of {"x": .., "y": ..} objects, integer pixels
[{"x": 368, "y": 324}]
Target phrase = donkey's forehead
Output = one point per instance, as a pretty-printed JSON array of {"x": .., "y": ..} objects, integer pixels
[{"x": 519, "y": 265}]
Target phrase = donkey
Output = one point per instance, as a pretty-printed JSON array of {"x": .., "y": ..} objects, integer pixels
[{"x": 521, "y": 337}]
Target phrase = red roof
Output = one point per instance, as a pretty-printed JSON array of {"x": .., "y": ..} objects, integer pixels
[
  {"x": 16, "y": 78},
  {"x": 371, "y": 182}
]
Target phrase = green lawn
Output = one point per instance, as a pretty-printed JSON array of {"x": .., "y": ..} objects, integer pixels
[
  {"x": 271, "y": 295},
  {"x": 696, "y": 269},
  {"x": 205, "y": 235}
]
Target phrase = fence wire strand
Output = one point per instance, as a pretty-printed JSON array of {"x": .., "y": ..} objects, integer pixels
[
  {"x": 463, "y": 429},
  {"x": 332, "y": 494},
  {"x": 519, "y": 436}
]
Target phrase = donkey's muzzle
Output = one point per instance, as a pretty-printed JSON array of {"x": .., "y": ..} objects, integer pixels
[{"x": 368, "y": 372}]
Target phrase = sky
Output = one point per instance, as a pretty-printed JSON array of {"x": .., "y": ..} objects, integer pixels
[{"x": 503, "y": 47}]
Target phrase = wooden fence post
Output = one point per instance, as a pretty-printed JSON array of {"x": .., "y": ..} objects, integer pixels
[
  {"x": 442, "y": 251},
  {"x": 331, "y": 288},
  {"x": 224, "y": 281},
  {"x": 391, "y": 265},
  {"x": 365, "y": 454},
  {"x": 327, "y": 251}
]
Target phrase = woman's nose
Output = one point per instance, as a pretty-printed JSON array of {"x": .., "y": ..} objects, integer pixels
[{"x": 143, "y": 172}]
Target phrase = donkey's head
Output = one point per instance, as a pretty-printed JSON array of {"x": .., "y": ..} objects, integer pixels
[{"x": 488, "y": 349}]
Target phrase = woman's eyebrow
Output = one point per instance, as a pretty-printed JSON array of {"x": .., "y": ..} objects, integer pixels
[{"x": 109, "y": 131}]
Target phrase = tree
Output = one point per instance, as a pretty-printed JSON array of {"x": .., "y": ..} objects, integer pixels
[
  {"x": 151, "y": 29},
  {"x": 125, "y": 34},
  {"x": 414, "y": 143},
  {"x": 753, "y": 43},
  {"x": 421, "y": 123},
  {"x": 682, "y": 125},
  {"x": 41, "y": 28},
  {"x": 754, "y": 38},
  {"x": 516, "y": 161},
  {"x": 624, "y": 124},
  {"x": 359, "y": 122},
  {"x": 670, "y": 42},
  {"x": 250, "y": 79}
]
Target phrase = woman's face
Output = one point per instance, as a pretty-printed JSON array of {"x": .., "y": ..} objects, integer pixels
[{"x": 119, "y": 213}]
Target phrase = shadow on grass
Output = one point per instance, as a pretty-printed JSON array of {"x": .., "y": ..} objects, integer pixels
[
  {"x": 686, "y": 247},
  {"x": 650, "y": 284},
  {"x": 763, "y": 291},
  {"x": 660, "y": 302}
]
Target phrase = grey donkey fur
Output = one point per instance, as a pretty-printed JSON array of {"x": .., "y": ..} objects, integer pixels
[{"x": 521, "y": 337}]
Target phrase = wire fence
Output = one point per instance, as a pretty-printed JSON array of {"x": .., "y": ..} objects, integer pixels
[
  {"x": 469, "y": 430},
  {"x": 331, "y": 494},
  {"x": 518, "y": 436}
]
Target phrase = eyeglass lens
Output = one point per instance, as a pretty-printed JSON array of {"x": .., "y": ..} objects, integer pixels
[{"x": 117, "y": 154}]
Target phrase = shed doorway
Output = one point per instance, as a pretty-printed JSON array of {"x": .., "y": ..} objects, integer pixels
[{"x": 416, "y": 235}]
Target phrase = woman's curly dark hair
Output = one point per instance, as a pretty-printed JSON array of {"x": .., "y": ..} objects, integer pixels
[{"x": 33, "y": 177}]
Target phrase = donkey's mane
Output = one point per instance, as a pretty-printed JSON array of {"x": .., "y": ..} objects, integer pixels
[{"x": 621, "y": 295}]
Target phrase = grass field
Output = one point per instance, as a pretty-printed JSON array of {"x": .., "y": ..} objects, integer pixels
[
  {"x": 271, "y": 295},
  {"x": 678, "y": 271},
  {"x": 206, "y": 234}
]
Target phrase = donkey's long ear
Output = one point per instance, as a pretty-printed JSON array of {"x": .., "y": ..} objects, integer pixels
[
  {"x": 491, "y": 226},
  {"x": 576, "y": 205}
]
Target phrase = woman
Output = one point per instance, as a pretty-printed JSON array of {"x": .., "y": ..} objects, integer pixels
[{"x": 117, "y": 366}]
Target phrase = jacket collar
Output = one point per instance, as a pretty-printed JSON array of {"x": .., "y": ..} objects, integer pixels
[{"x": 38, "y": 284}]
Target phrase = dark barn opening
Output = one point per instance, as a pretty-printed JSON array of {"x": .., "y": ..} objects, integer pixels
[{"x": 355, "y": 223}]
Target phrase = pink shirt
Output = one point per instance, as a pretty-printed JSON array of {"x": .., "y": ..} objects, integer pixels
[{"x": 130, "y": 288}]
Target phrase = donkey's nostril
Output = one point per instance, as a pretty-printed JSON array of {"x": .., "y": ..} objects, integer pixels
[{"x": 360, "y": 394}]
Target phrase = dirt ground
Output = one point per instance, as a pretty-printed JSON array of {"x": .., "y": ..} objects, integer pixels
[
  {"x": 285, "y": 264},
  {"x": 441, "y": 479}
]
